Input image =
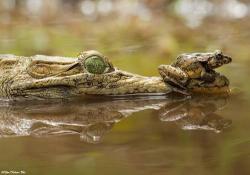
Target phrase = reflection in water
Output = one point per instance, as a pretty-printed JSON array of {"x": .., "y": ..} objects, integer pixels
[
  {"x": 196, "y": 113},
  {"x": 92, "y": 120},
  {"x": 89, "y": 118}
]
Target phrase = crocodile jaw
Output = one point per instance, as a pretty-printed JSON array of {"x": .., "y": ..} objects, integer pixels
[{"x": 115, "y": 83}]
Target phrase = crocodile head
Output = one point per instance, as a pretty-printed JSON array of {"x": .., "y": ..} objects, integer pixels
[{"x": 59, "y": 77}]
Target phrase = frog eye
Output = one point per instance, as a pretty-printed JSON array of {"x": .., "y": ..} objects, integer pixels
[
  {"x": 218, "y": 54},
  {"x": 96, "y": 65}
]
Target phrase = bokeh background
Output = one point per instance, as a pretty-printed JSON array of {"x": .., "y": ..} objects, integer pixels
[{"x": 165, "y": 27}]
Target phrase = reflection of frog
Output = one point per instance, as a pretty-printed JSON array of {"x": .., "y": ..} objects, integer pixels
[
  {"x": 196, "y": 114},
  {"x": 196, "y": 70}
]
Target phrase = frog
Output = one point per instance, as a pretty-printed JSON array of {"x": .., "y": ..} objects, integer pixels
[{"x": 195, "y": 71}]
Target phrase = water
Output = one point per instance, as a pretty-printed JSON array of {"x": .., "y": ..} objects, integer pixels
[{"x": 127, "y": 136}]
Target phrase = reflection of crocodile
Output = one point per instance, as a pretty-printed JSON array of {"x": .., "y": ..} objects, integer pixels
[
  {"x": 92, "y": 120},
  {"x": 92, "y": 73}
]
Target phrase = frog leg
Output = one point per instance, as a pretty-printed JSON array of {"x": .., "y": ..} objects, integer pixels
[
  {"x": 175, "y": 78},
  {"x": 219, "y": 81},
  {"x": 208, "y": 76}
]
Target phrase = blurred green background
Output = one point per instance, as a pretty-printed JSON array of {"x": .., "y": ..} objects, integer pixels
[{"x": 137, "y": 35}]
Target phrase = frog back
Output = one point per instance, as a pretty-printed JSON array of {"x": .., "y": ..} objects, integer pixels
[{"x": 191, "y": 66}]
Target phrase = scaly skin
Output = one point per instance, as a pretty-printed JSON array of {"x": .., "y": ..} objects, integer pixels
[
  {"x": 89, "y": 74},
  {"x": 60, "y": 77}
]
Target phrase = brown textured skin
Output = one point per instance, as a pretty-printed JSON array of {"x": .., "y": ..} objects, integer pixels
[
  {"x": 60, "y": 77},
  {"x": 194, "y": 73}
]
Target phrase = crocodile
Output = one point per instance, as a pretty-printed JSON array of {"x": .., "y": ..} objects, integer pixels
[{"x": 92, "y": 73}]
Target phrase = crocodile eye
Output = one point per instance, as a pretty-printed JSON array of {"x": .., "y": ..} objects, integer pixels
[{"x": 96, "y": 65}]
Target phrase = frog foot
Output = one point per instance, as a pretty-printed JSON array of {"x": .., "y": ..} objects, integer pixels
[{"x": 220, "y": 85}]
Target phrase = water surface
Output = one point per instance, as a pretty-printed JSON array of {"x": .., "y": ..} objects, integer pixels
[{"x": 127, "y": 136}]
